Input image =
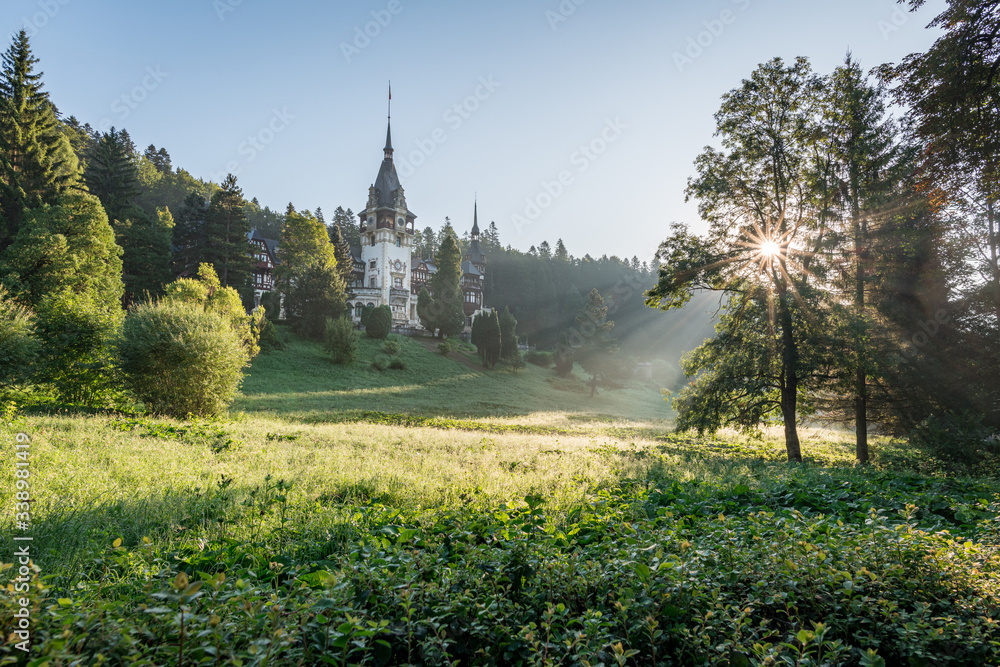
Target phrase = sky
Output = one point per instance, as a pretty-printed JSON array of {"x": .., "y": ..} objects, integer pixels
[{"x": 571, "y": 119}]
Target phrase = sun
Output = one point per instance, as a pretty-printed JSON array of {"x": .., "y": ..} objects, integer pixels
[{"x": 770, "y": 249}]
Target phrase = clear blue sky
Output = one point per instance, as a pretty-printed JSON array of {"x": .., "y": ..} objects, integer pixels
[{"x": 293, "y": 94}]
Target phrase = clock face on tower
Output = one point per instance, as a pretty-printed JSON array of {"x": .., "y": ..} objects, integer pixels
[{"x": 398, "y": 265}]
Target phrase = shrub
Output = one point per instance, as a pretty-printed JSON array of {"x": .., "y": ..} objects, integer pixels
[
  {"x": 539, "y": 358},
  {"x": 397, "y": 364},
  {"x": 380, "y": 363},
  {"x": 366, "y": 312},
  {"x": 180, "y": 360},
  {"x": 76, "y": 359},
  {"x": 392, "y": 347},
  {"x": 447, "y": 346},
  {"x": 341, "y": 340},
  {"x": 379, "y": 323},
  {"x": 18, "y": 346},
  {"x": 960, "y": 442}
]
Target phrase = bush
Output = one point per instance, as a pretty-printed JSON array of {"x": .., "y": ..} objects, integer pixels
[
  {"x": 18, "y": 346},
  {"x": 180, "y": 360},
  {"x": 379, "y": 323},
  {"x": 447, "y": 346},
  {"x": 380, "y": 363},
  {"x": 960, "y": 442},
  {"x": 392, "y": 347},
  {"x": 341, "y": 340},
  {"x": 397, "y": 364},
  {"x": 539, "y": 358},
  {"x": 76, "y": 359}
]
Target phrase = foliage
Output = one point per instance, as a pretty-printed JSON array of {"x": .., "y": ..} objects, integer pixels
[
  {"x": 756, "y": 563},
  {"x": 397, "y": 364},
  {"x": 341, "y": 340},
  {"x": 180, "y": 359},
  {"x": 38, "y": 164},
  {"x": 508, "y": 335},
  {"x": 76, "y": 332},
  {"x": 392, "y": 347},
  {"x": 225, "y": 236},
  {"x": 379, "y": 323},
  {"x": 541, "y": 358},
  {"x": 112, "y": 175},
  {"x": 444, "y": 311},
  {"x": 447, "y": 346},
  {"x": 18, "y": 345},
  {"x": 308, "y": 275},
  {"x": 491, "y": 337},
  {"x": 68, "y": 246},
  {"x": 563, "y": 357},
  {"x": 960, "y": 441},
  {"x": 597, "y": 345},
  {"x": 207, "y": 292}
]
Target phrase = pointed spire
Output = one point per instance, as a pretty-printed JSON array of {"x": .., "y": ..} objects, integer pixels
[
  {"x": 388, "y": 128},
  {"x": 475, "y": 219}
]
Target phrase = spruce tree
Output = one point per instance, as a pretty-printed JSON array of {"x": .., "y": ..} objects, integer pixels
[
  {"x": 226, "y": 231},
  {"x": 508, "y": 335},
  {"x": 446, "y": 286},
  {"x": 33, "y": 152},
  {"x": 492, "y": 339},
  {"x": 112, "y": 176},
  {"x": 190, "y": 235},
  {"x": 342, "y": 251}
]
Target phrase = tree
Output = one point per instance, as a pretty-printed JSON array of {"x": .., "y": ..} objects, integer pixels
[
  {"x": 226, "y": 232},
  {"x": 342, "y": 252},
  {"x": 348, "y": 224},
  {"x": 190, "y": 236},
  {"x": 379, "y": 323},
  {"x": 757, "y": 201},
  {"x": 446, "y": 311},
  {"x": 66, "y": 247},
  {"x": 508, "y": 336},
  {"x": 491, "y": 338},
  {"x": 597, "y": 345},
  {"x": 36, "y": 160},
  {"x": 112, "y": 175},
  {"x": 561, "y": 255},
  {"x": 308, "y": 275},
  {"x": 859, "y": 141},
  {"x": 425, "y": 312}
]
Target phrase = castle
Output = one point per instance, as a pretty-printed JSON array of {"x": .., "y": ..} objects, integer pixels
[{"x": 386, "y": 272}]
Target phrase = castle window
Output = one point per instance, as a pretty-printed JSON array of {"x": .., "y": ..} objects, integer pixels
[
  {"x": 398, "y": 282},
  {"x": 371, "y": 281},
  {"x": 358, "y": 307},
  {"x": 371, "y": 264},
  {"x": 372, "y": 237},
  {"x": 399, "y": 241}
]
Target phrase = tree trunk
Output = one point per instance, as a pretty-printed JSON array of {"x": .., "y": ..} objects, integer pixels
[
  {"x": 994, "y": 240},
  {"x": 861, "y": 380},
  {"x": 789, "y": 379}
]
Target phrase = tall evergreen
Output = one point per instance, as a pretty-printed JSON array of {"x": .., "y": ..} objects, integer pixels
[
  {"x": 492, "y": 339},
  {"x": 508, "y": 335},
  {"x": 112, "y": 175},
  {"x": 446, "y": 288},
  {"x": 345, "y": 262},
  {"x": 33, "y": 152},
  {"x": 226, "y": 232},
  {"x": 190, "y": 240}
]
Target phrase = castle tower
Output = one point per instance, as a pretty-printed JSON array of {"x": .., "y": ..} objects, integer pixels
[
  {"x": 387, "y": 239},
  {"x": 473, "y": 270}
]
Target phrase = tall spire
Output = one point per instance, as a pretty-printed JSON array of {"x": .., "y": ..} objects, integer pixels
[{"x": 388, "y": 128}]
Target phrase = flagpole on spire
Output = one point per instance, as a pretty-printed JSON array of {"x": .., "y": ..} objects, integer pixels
[{"x": 390, "y": 100}]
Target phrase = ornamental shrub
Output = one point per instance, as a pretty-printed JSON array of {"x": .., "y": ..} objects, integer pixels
[
  {"x": 341, "y": 340},
  {"x": 379, "y": 323},
  {"x": 179, "y": 359}
]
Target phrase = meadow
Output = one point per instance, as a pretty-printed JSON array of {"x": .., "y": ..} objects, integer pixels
[{"x": 443, "y": 514}]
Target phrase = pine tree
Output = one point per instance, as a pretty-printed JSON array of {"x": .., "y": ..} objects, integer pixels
[
  {"x": 226, "y": 246},
  {"x": 446, "y": 287},
  {"x": 189, "y": 237},
  {"x": 33, "y": 152},
  {"x": 562, "y": 255},
  {"x": 508, "y": 336},
  {"x": 112, "y": 176},
  {"x": 598, "y": 343},
  {"x": 342, "y": 251},
  {"x": 492, "y": 339}
]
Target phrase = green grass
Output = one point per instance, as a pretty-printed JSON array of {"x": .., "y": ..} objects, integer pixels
[
  {"x": 300, "y": 383},
  {"x": 442, "y": 514}
]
